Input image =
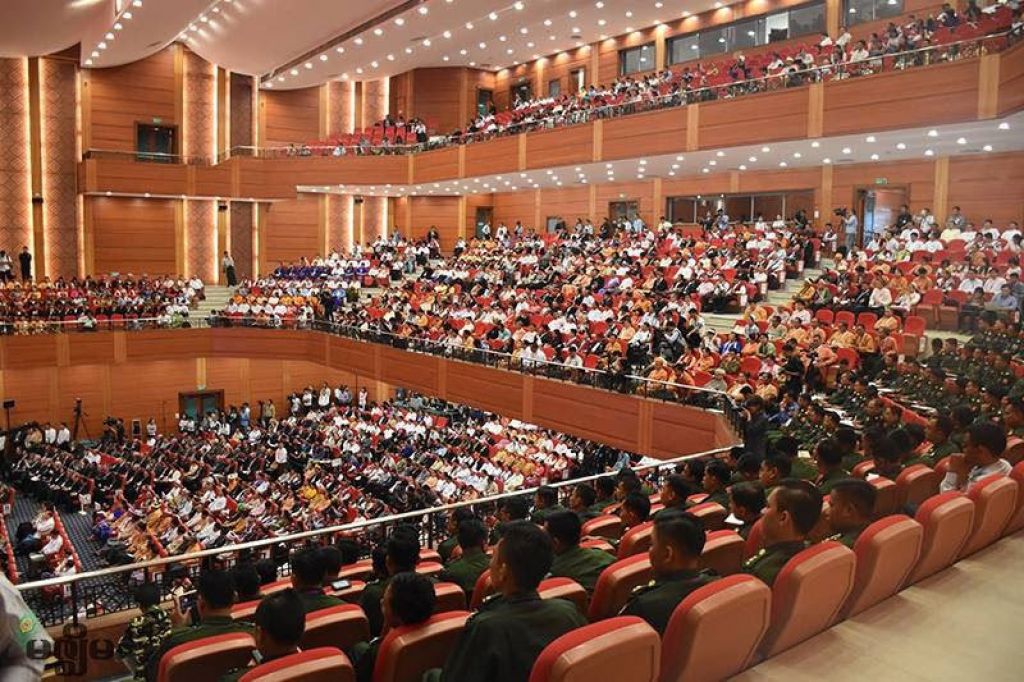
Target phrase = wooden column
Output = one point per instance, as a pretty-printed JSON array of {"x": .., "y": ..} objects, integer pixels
[
  {"x": 223, "y": 236},
  {"x": 833, "y": 17},
  {"x": 37, "y": 233},
  {"x": 223, "y": 113},
  {"x": 988, "y": 87},
  {"x": 595, "y": 64},
  {"x": 179, "y": 96},
  {"x": 180, "y": 238},
  {"x": 940, "y": 198},
  {"x": 692, "y": 127},
  {"x": 825, "y": 209}
]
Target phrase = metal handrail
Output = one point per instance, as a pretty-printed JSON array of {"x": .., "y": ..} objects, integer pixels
[{"x": 348, "y": 527}]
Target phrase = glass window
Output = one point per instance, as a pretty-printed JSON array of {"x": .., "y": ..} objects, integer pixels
[
  {"x": 768, "y": 205},
  {"x": 712, "y": 42},
  {"x": 683, "y": 49},
  {"x": 636, "y": 59},
  {"x": 777, "y": 27},
  {"x": 807, "y": 20},
  {"x": 744, "y": 35},
  {"x": 554, "y": 87},
  {"x": 740, "y": 207},
  {"x": 861, "y": 11},
  {"x": 682, "y": 210},
  {"x": 578, "y": 79}
]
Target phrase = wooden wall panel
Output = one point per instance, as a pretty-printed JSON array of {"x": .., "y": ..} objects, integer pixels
[
  {"x": 166, "y": 343},
  {"x": 90, "y": 349},
  {"x": 652, "y": 133},
  {"x": 441, "y": 164},
  {"x": 30, "y": 388},
  {"x": 972, "y": 187},
  {"x": 612, "y": 420},
  {"x": 754, "y": 119},
  {"x": 30, "y": 351},
  {"x": 91, "y": 383},
  {"x": 59, "y": 157},
  {"x": 560, "y": 147},
  {"x": 133, "y": 235},
  {"x": 357, "y": 357},
  {"x": 410, "y": 370},
  {"x": 122, "y": 96},
  {"x": 500, "y": 393},
  {"x": 292, "y": 116},
  {"x": 15, "y": 183},
  {"x": 641, "y": 191},
  {"x": 1011, "y": 80},
  {"x": 242, "y": 114},
  {"x": 917, "y": 176},
  {"x": 134, "y": 177},
  {"x": 151, "y": 390},
  {"x": 473, "y": 202},
  {"x": 500, "y": 155},
  {"x": 943, "y": 93},
  {"x": 512, "y": 206},
  {"x": 439, "y": 212},
  {"x": 437, "y": 93},
  {"x": 278, "y": 178},
  {"x": 289, "y": 232},
  {"x": 212, "y": 181},
  {"x": 568, "y": 202}
]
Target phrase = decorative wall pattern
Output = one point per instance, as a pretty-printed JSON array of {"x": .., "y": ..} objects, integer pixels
[
  {"x": 200, "y": 97},
  {"x": 200, "y": 219},
  {"x": 339, "y": 222},
  {"x": 376, "y": 100},
  {"x": 58, "y": 93},
  {"x": 241, "y": 234},
  {"x": 241, "y": 110},
  {"x": 375, "y": 218},
  {"x": 15, "y": 204},
  {"x": 341, "y": 114}
]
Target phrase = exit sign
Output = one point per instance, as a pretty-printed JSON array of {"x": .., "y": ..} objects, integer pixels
[
  {"x": 881, "y": 181},
  {"x": 157, "y": 121}
]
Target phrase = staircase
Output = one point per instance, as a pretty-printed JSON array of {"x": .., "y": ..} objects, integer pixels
[
  {"x": 217, "y": 298},
  {"x": 725, "y": 322}
]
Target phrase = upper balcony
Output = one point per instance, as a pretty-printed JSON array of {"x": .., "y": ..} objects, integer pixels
[{"x": 967, "y": 81}]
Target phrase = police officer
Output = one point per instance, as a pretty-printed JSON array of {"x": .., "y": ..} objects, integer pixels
[
  {"x": 464, "y": 571},
  {"x": 677, "y": 541},
  {"x": 794, "y": 508},
  {"x": 582, "y": 564}
]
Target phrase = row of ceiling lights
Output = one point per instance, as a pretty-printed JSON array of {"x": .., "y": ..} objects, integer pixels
[
  {"x": 204, "y": 18},
  {"x": 111, "y": 35}
]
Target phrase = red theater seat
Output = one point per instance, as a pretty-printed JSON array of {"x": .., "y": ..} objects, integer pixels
[
  {"x": 886, "y": 552},
  {"x": 450, "y": 597},
  {"x": 636, "y": 540},
  {"x": 409, "y": 651},
  {"x": 481, "y": 590},
  {"x": 723, "y": 552},
  {"x": 1017, "y": 520},
  {"x": 995, "y": 500},
  {"x": 755, "y": 540},
  {"x": 624, "y": 649},
  {"x": 336, "y": 626},
  {"x": 604, "y": 526},
  {"x": 715, "y": 631},
  {"x": 207, "y": 659},
  {"x": 564, "y": 588},
  {"x": 887, "y": 499},
  {"x": 616, "y": 583},
  {"x": 947, "y": 520},
  {"x": 245, "y": 611},
  {"x": 711, "y": 514},
  {"x": 808, "y": 594},
  {"x": 915, "y": 484},
  {"x": 325, "y": 664}
]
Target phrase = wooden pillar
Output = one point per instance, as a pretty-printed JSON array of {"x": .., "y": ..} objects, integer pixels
[
  {"x": 988, "y": 86},
  {"x": 595, "y": 64},
  {"x": 179, "y": 97},
  {"x": 815, "y": 109},
  {"x": 940, "y": 197},
  {"x": 462, "y": 216},
  {"x": 257, "y": 241},
  {"x": 37, "y": 233},
  {"x": 825, "y": 208},
  {"x": 658, "y": 205},
  {"x": 659, "y": 47},
  {"x": 692, "y": 127},
  {"x": 833, "y": 17},
  {"x": 598, "y": 140},
  {"x": 321, "y": 224},
  {"x": 324, "y": 127},
  {"x": 223, "y": 236},
  {"x": 180, "y": 238},
  {"x": 223, "y": 114}
]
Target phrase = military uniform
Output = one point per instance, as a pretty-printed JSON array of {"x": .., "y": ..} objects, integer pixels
[
  {"x": 465, "y": 571},
  {"x": 370, "y": 602},
  {"x": 582, "y": 564},
  {"x": 767, "y": 563},
  {"x": 848, "y": 537},
  {"x": 803, "y": 468},
  {"x": 599, "y": 506},
  {"x": 208, "y": 627},
  {"x": 316, "y": 599},
  {"x": 501, "y": 642},
  {"x": 826, "y": 481},
  {"x": 144, "y": 635},
  {"x": 236, "y": 674},
  {"x": 656, "y": 601},
  {"x": 446, "y": 548},
  {"x": 720, "y": 497},
  {"x": 540, "y": 515},
  {"x": 939, "y": 452}
]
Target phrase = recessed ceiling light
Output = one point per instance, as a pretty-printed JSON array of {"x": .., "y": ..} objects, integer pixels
[
  {"x": 483, "y": 46},
  {"x": 869, "y": 138},
  {"x": 1004, "y": 126},
  {"x": 766, "y": 149},
  {"x": 502, "y": 38},
  {"x": 358, "y": 41},
  {"x": 323, "y": 58},
  {"x": 493, "y": 16},
  {"x": 547, "y": 22},
  {"x": 400, "y": 21},
  {"x": 601, "y": 22},
  {"x": 712, "y": 162},
  {"x": 359, "y": 69},
  {"x": 572, "y": 14},
  {"x": 929, "y": 152},
  {"x": 846, "y": 151},
  {"x": 608, "y": 165},
  {"x": 408, "y": 50},
  {"x": 308, "y": 65},
  {"x": 753, "y": 159},
  {"x": 987, "y": 148},
  {"x": 118, "y": 26},
  {"x": 95, "y": 53},
  {"x": 378, "y": 31},
  {"x": 933, "y": 133},
  {"x": 109, "y": 36},
  {"x": 444, "y": 58},
  {"x": 391, "y": 57},
  {"x": 874, "y": 157},
  {"x": 599, "y": 4},
  {"x": 531, "y": 44},
  {"x": 742, "y": 167},
  {"x": 643, "y": 162},
  {"x": 797, "y": 155},
  {"x": 469, "y": 25},
  {"x": 900, "y": 146},
  {"x": 826, "y": 161},
  {"x": 720, "y": 154},
  {"x": 815, "y": 144},
  {"x": 575, "y": 30},
  {"x": 463, "y": 51},
  {"x": 782, "y": 164},
  {"x": 88, "y": 62},
  {"x": 472, "y": 63},
  {"x": 679, "y": 158},
  {"x": 961, "y": 140},
  {"x": 374, "y": 64},
  {"x": 423, "y": 10},
  {"x": 339, "y": 50},
  {"x": 704, "y": 170},
  {"x": 280, "y": 78},
  {"x": 295, "y": 72},
  {"x": 426, "y": 42},
  {"x": 447, "y": 34}
]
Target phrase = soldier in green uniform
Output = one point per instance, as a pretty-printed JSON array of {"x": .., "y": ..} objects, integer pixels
[
  {"x": 146, "y": 632},
  {"x": 20, "y": 632},
  {"x": 851, "y": 508},
  {"x": 501, "y": 642},
  {"x": 677, "y": 541},
  {"x": 401, "y": 552},
  {"x": 848, "y": 441},
  {"x": 800, "y": 467},
  {"x": 774, "y": 468},
  {"x": 216, "y": 595},
  {"x": 545, "y": 503},
  {"x": 408, "y": 600},
  {"x": 828, "y": 455},
  {"x": 605, "y": 487},
  {"x": 280, "y": 623},
  {"x": 465, "y": 570},
  {"x": 582, "y": 564},
  {"x": 940, "y": 428},
  {"x": 746, "y": 503},
  {"x": 308, "y": 571},
  {"x": 448, "y": 545},
  {"x": 1013, "y": 417},
  {"x": 716, "y": 481},
  {"x": 510, "y": 509},
  {"x": 674, "y": 492},
  {"x": 792, "y": 512},
  {"x": 581, "y": 502}
]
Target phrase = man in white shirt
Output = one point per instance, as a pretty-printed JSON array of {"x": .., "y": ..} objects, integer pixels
[
  {"x": 969, "y": 283},
  {"x": 53, "y": 545},
  {"x": 983, "y": 447},
  {"x": 881, "y": 297}
]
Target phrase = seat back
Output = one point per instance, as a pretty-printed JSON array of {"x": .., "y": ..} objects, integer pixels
[
  {"x": 325, "y": 664},
  {"x": 481, "y": 590},
  {"x": 636, "y": 540},
  {"x": 947, "y": 520},
  {"x": 1017, "y": 520},
  {"x": 995, "y": 500},
  {"x": 887, "y": 497},
  {"x": 206, "y": 660},
  {"x": 407, "y": 652},
  {"x": 615, "y": 585},
  {"x": 711, "y": 514},
  {"x": 604, "y": 526},
  {"x": 755, "y": 539},
  {"x": 339, "y": 626},
  {"x": 714, "y": 632},
  {"x": 450, "y": 597},
  {"x": 808, "y": 594},
  {"x": 723, "y": 552},
  {"x": 886, "y": 552},
  {"x": 915, "y": 484},
  {"x": 564, "y": 588},
  {"x": 624, "y": 649}
]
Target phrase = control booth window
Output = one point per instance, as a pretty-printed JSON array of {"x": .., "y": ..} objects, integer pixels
[
  {"x": 861, "y": 11},
  {"x": 636, "y": 59},
  {"x": 739, "y": 207}
]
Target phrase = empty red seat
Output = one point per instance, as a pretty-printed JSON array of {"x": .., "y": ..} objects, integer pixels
[
  {"x": 624, "y": 649},
  {"x": 636, "y": 540},
  {"x": 808, "y": 594},
  {"x": 723, "y": 552},
  {"x": 207, "y": 659},
  {"x": 450, "y": 597},
  {"x": 1014, "y": 452},
  {"x": 616, "y": 583},
  {"x": 1017, "y": 520},
  {"x": 564, "y": 588},
  {"x": 915, "y": 484},
  {"x": 339, "y": 626},
  {"x": 947, "y": 520},
  {"x": 715, "y": 631},
  {"x": 995, "y": 501},
  {"x": 886, "y": 552},
  {"x": 711, "y": 514},
  {"x": 605, "y": 526},
  {"x": 325, "y": 664},
  {"x": 408, "y": 651},
  {"x": 887, "y": 497}
]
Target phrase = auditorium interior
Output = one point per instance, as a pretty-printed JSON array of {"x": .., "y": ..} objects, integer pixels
[{"x": 511, "y": 341}]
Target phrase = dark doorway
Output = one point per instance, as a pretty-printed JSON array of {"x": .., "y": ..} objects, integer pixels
[
  {"x": 623, "y": 209},
  {"x": 156, "y": 143},
  {"x": 197, "y": 404},
  {"x": 877, "y": 208},
  {"x": 484, "y": 100},
  {"x": 484, "y": 216}
]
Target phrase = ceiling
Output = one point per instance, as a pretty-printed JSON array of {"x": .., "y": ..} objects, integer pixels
[
  {"x": 358, "y": 39},
  {"x": 978, "y": 137}
]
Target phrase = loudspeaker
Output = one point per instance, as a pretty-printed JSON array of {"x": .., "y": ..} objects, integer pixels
[{"x": 9, "y": 404}]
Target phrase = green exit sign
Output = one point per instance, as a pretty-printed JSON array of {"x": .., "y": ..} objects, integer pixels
[
  {"x": 881, "y": 181},
  {"x": 157, "y": 121}
]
